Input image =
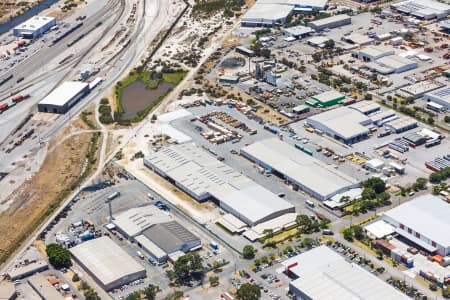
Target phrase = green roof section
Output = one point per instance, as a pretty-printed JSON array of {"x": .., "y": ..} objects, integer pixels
[{"x": 326, "y": 99}]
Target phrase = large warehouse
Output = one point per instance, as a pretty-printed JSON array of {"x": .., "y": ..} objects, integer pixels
[
  {"x": 321, "y": 273},
  {"x": 440, "y": 96},
  {"x": 424, "y": 221},
  {"x": 343, "y": 124},
  {"x": 107, "y": 263},
  {"x": 268, "y": 13},
  {"x": 423, "y": 9},
  {"x": 34, "y": 27},
  {"x": 308, "y": 173},
  {"x": 330, "y": 22},
  {"x": 61, "y": 99},
  {"x": 203, "y": 177},
  {"x": 371, "y": 53},
  {"x": 156, "y": 232},
  {"x": 263, "y": 14}
]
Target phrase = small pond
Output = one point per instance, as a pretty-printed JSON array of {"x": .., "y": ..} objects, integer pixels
[{"x": 136, "y": 97}]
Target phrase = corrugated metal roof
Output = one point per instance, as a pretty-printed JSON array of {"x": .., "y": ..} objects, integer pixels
[{"x": 427, "y": 215}]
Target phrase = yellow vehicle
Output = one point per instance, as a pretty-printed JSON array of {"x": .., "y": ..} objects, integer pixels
[{"x": 309, "y": 129}]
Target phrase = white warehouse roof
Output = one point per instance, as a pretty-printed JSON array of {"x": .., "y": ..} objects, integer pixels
[
  {"x": 322, "y": 180},
  {"x": 35, "y": 23},
  {"x": 255, "y": 203},
  {"x": 64, "y": 93},
  {"x": 267, "y": 11},
  {"x": 344, "y": 121},
  {"x": 201, "y": 176},
  {"x": 108, "y": 262},
  {"x": 324, "y": 274},
  {"x": 427, "y": 215}
]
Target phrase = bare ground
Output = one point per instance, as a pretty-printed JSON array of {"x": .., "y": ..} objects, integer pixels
[{"x": 33, "y": 198}]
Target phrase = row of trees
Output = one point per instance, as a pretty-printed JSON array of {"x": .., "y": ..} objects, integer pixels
[
  {"x": 355, "y": 231},
  {"x": 149, "y": 293}
]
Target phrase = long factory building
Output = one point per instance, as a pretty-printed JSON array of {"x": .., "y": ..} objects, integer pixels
[
  {"x": 203, "y": 177},
  {"x": 306, "y": 172},
  {"x": 269, "y": 13},
  {"x": 107, "y": 263},
  {"x": 61, "y": 99}
]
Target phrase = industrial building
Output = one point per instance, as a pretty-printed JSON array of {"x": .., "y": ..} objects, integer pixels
[
  {"x": 392, "y": 64},
  {"x": 7, "y": 290},
  {"x": 423, "y": 9},
  {"x": 330, "y": 22},
  {"x": 229, "y": 79},
  {"x": 266, "y": 14},
  {"x": 107, "y": 263},
  {"x": 43, "y": 288},
  {"x": 343, "y": 124},
  {"x": 322, "y": 273},
  {"x": 156, "y": 232},
  {"x": 21, "y": 272},
  {"x": 383, "y": 117},
  {"x": 402, "y": 124},
  {"x": 61, "y": 99},
  {"x": 326, "y": 99},
  {"x": 366, "y": 107},
  {"x": 357, "y": 39},
  {"x": 372, "y": 53},
  {"x": 424, "y": 221},
  {"x": 318, "y": 179},
  {"x": 419, "y": 89},
  {"x": 203, "y": 177},
  {"x": 34, "y": 27},
  {"x": 440, "y": 96},
  {"x": 297, "y": 32}
]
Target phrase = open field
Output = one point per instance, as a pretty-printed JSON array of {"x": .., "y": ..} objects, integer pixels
[{"x": 42, "y": 193}]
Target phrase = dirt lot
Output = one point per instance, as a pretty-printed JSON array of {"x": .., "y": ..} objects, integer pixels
[
  {"x": 34, "y": 199},
  {"x": 11, "y": 8}
]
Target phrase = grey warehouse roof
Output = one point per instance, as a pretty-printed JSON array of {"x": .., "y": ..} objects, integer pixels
[
  {"x": 307, "y": 170},
  {"x": 267, "y": 11},
  {"x": 324, "y": 274},
  {"x": 169, "y": 236},
  {"x": 428, "y": 215},
  {"x": 106, "y": 260},
  {"x": 330, "y": 20},
  {"x": 134, "y": 221}
]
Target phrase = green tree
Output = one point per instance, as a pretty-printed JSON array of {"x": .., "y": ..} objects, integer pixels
[
  {"x": 248, "y": 291},
  {"x": 214, "y": 281},
  {"x": 358, "y": 231},
  {"x": 307, "y": 242},
  {"x": 134, "y": 296},
  {"x": 303, "y": 220},
  {"x": 446, "y": 292},
  {"x": 90, "y": 294},
  {"x": 58, "y": 256},
  {"x": 151, "y": 291},
  {"x": 268, "y": 232},
  {"x": 329, "y": 44},
  {"x": 187, "y": 265},
  {"x": 75, "y": 277},
  {"x": 368, "y": 193},
  {"x": 348, "y": 234},
  {"x": 377, "y": 184},
  {"x": 420, "y": 183},
  {"x": 384, "y": 198},
  {"x": 248, "y": 252},
  {"x": 435, "y": 177}
]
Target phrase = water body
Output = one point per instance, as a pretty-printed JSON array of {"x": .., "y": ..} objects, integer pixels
[
  {"x": 136, "y": 97},
  {"x": 25, "y": 16}
]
